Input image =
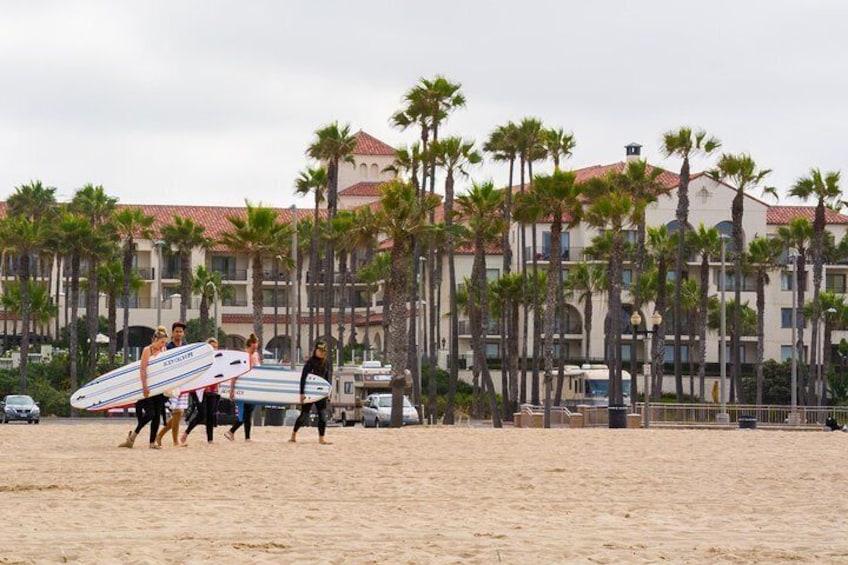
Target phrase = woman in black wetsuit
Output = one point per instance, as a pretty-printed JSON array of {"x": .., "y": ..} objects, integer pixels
[
  {"x": 319, "y": 365},
  {"x": 147, "y": 410}
]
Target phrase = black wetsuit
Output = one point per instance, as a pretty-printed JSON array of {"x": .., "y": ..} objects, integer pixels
[
  {"x": 206, "y": 413},
  {"x": 314, "y": 366}
]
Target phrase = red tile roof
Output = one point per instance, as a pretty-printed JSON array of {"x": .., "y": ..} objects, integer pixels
[
  {"x": 668, "y": 179},
  {"x": 367, "y": 189},
  {"x": 780, "y": 215},
  {"x": 369, "y": 145}
]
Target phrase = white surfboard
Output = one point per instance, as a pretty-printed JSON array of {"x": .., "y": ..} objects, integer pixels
[
  {"x": 122, "y": 386},
  {"x": 227, "y": 365},
  {"x": 275, "y": 385}
]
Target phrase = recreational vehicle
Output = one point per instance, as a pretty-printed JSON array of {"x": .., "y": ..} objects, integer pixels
[{"x": 352, "y": 385}]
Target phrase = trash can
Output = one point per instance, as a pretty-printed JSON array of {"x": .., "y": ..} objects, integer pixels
[
  {"x": 618, "y": 416},
  {"x": 274, "y": 415},
  {"x": 747, "y": 422}
]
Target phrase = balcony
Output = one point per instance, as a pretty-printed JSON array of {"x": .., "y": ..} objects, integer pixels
[
  {"x": 492, "y": 328},
  {"x": 231, "y": 274}
]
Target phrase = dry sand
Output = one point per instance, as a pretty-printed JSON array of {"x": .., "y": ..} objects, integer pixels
[{"x": 424, "y": 495}]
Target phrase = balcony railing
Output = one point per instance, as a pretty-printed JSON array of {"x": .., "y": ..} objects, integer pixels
[
  {"x": 232, "y": 274},
  {"x": 492, "y": 328}
]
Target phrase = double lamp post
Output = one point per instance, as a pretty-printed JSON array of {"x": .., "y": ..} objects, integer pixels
[{"x": 635, "y": 322}]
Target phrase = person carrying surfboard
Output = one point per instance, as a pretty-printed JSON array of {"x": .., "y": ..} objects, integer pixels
[
  {"x": 179, "y": 402},
  {"x": 244, "y": 410},
  {"x": 208, "y": 409},
  {"x": 147, "y": 409},
  {"x": 318, "y": 364}
]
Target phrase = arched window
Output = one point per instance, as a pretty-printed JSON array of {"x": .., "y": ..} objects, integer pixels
[
  {"x": 374, "y": 171},
  {"x": 363, "y": 171},
  {"x": 726, "y": 228}
]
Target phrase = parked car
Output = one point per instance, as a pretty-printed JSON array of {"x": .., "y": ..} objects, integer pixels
[
  {"x": 19, "y": 407},
  {"x": 377, "y": 411}
]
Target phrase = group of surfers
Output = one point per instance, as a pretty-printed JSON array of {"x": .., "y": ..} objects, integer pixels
[{"x": 152, "y": 409}]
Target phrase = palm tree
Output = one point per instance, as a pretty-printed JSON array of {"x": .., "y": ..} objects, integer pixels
[
  {"x": 685, "y": 144},
  {"x": 454, "y": 155},
  {"x": 556, "y": 198},
  {"x": 558, "y": 144},
  {"x": 690, "y": 296},
  {"x": 403, "y": 218},
  {"x": 338, "y": 236},
  {"x": 705, "y": 242},
  {"x": 257, "y": 235},
  {"x": 313, "y": 180},
  {"x": 583, "y": 281},
  {"x": 825, "y": 189},
  {"x": 797, "y": 235},
  {"x": 407, "y": 160},
  {"x": 76, "y": 234},
  {"x": 833, "y": 308},
  {"x": 23, "y": 237},
  {"x": 644, "y": 183},
  {"x": 503, "y": 146},
  {"x": 479, "y": 208},
  {"x": 528, "y": 140},
  {"x": 93, "y": 204},
  {"x": 741, "y": 171},
  {"x": 371, "y": 274},
  {"x": 761, "y": 259},
  {"x": 181, "y": 237},
  {"x": 333, "y": 145},
  {"x": 110, "y": 280},
  {"x": 201, "y": 281},
  {"x": 662, "y": 246},
  {"x": 129, "y": 224},
  {"x": 508, "y": 292}
]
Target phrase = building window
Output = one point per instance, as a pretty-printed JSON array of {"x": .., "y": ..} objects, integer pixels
[
  {"x": 786, "y": 281},
  {"x": 785, "y": 353},
  {"x": 835, "y": 283},
  {"x": 786, "y": 317},
  {"x": 684, "y": 352},
  {"x": 564, "y": 243},
  {"x": 374, "y": 171},
  {"x": 492, "y": 274},
  {"x": 626, "y": 278},
  {"x": 363, "y": 171}
]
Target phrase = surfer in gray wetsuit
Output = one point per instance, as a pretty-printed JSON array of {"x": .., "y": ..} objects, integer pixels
[
  {"x": 319, "y": 365},
  {"x": 147, "y": 409}
]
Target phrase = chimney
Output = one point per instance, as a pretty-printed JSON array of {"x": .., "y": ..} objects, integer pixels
[{"x": 634, "y": 151}]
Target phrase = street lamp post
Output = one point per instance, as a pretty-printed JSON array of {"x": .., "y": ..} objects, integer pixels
[
  {"x": 793, "y": 413},
  {"x": 294, "y": 328},
  {"x": 723, "y": 417},
  {"x": 159, "y": 245},
  {"x": 635, "y": 321},
  {"x": 277, "y": 260}
]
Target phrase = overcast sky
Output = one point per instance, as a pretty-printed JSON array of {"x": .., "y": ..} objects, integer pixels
[{"x": 212, "y": 102}]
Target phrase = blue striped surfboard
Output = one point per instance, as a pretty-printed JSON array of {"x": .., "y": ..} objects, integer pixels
[
  {"x": 275, "y": 385},
  {"x": 122, "y": 386}
]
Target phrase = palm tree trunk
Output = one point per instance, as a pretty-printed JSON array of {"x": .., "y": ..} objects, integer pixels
[
  {"x": 398, "y": 289},
  {"x": 74, "y": 335},
  {"x": 761, "y": 338},
  {"x": 554, "y": 266},
  {"x": 702, "y": 344},
  {"x": 112, "y": 327},
  {"x": 818, "y": 260},
  {"x": 258, "y": 299},
  {"x": 25, "y": 316},
  {"x": 682, "y": 216},
  {"x": 185, "y": 284},
  {"x": 92, "y": 312},
  {"x": 127, "y": 270},
  {"x": 736, "y": 362}
]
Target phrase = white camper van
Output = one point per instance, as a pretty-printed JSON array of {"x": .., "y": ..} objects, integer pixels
[{"x": 589, "y": 384}]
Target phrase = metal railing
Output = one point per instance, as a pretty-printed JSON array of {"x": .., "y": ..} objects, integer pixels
[{"x": 671, "y": 414}]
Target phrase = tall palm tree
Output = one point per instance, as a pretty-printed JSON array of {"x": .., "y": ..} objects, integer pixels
[
  {"x": 797, "y": 235},
  {"x": 408, "y": 160},
  {"x": 403, "y": 217},
  {"x": 333, "y": 145},
  {"x": 371, "y": 274},
  {"x": 182, "y": 236},
  {"x": 685, "y": 144},
  {"x": 825, "y": 190},
  {"x": 558, "y": 144},
  {"x": 761, "y": 259},
  {"x": 705, "y": 242},
  {"x": 508, "y": 292},
  {"x": 259, "y": 234},
  {"x": 662, "y": 246},
  {"x": 833, "y": 309},
  {"x": 583, "y": 282},
  {"x": 742, "y": 172},
  {"x": 76, "y": 234},
  {"x": 479, "y": 209},
  {"x": 454, "y": 155},
  {"x": 690, "y": 296},
  {"x": 94, "y": 204},
  {"x": 503, "y": 146},
  {"x": 643, "y": 181},
  {"x": 130, "y": 223},
  {"x": 556, "y": 198},
  {"x": 313, "y": 180},
  {"x": 201, "y": 281},
  {"x": 530, "y": 149},
  {"x": 23, "y": 237},
  {"x": 338, "y": 235},
  {"x": 110, "y": 281}
]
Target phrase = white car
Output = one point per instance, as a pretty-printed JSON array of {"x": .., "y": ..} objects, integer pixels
[{"x": 377, "y": 411}]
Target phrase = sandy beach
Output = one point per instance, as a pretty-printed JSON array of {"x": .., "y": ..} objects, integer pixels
[{"x": 424, "y": 495}]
